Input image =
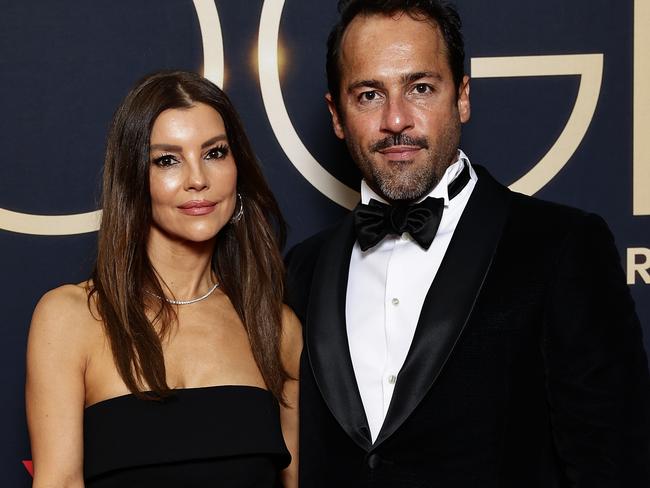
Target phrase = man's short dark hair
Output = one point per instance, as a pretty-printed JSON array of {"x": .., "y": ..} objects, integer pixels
[{"x": 442, "y": 13}]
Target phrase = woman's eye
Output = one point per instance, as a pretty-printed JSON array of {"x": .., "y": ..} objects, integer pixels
[
  {"x": 165, "y": 161},
  {"x": 217, "y": 153}
]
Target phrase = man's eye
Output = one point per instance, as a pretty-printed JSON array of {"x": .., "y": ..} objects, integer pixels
[
  {"x": 422, "y": 88},
  {"x": 368, "y": 96}
]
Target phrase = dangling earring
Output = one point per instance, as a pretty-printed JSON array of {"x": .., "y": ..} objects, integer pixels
[{"x": 239, "y": 212}]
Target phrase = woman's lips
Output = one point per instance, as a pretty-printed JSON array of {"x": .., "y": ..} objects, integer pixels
[{"x": 198, "y": 207}]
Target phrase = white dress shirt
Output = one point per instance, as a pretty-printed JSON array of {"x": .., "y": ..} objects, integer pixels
[{"x": 387, "y": 286}]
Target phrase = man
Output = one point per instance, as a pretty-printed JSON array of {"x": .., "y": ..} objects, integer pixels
[{"x": 457, "y": 334}]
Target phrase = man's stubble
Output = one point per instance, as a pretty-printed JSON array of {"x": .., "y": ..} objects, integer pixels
[{"x": 407, "y": 180}]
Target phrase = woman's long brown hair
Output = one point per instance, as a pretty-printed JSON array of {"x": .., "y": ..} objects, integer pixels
[{"x": 246, "y": 259}]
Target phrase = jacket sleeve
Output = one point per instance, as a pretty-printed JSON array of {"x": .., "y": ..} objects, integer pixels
[{"x": 598, "y": 383}]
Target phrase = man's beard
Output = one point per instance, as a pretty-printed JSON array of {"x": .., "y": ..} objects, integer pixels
[
  {"x": 399, "y": 182},
  {"x": 406, "y": 180}
]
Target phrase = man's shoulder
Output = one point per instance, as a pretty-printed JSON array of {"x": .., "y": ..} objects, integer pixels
[
  {"x": 555, "y": 225},
  {"x": 301, "y": 261},
  {"x": 308, "y": 250},
  {"x": 528, "y": 207},
  {"x": 535, "y": 215},
  {"x": 310, "y": 247}
]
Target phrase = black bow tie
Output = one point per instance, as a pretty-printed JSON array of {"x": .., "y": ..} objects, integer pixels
[{"x": 376, "y": 220}]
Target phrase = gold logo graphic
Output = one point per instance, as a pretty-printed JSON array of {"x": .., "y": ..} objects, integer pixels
[
  {"x": 641, "y": 199},
  {"x": 60, "y": 225},
  {"x": 590, "y": 69},
  {"x": 213, "y": 57},
  {"x": 276, "y": 112}
]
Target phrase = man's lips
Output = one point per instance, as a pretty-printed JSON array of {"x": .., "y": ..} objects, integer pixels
[
  {"x": 197, "y": 207},
  {"x": 400, "y": 153}
]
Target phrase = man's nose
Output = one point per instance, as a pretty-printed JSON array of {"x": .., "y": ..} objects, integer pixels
[{"x": 397, "y": 116}]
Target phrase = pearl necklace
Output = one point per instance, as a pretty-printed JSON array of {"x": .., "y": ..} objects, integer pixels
[{"x": 187, "y": 302}]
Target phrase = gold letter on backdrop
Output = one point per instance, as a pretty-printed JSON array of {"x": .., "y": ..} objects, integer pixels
[
  {"x": 210, "y": 25},
  {"x": 641, "y": 268},
  {"x": 641, "y": 107},
  {"x": 590, "y": 69},
  {"x": 276, "y": 111}
]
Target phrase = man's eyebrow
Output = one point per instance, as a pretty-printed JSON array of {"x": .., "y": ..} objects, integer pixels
[
  {"x": 365, "y": 84},
  {"x": 412, "y": 77},
  {"x": 406, "y": 79}
]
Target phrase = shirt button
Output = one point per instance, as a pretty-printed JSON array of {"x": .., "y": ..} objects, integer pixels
[
  {"x": 395, "y": 301},
  {"x": 406, "y": 237},
  {"x": 392, "y": 379}
]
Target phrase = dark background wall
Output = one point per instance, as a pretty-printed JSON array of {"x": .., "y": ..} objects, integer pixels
[{"x": 562, "y": 127}]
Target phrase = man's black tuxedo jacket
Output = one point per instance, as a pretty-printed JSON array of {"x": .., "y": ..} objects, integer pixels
[{"x": 527, "y": 368}]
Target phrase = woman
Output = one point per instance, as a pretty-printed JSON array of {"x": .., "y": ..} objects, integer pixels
[{"x": 177, "y": 363}]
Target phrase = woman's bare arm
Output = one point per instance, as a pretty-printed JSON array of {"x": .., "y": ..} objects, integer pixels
[
  {"x": 291, "y": 349},
  {"x": 55, "y": 388}
]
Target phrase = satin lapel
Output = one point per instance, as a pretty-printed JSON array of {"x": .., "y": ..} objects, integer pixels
[
  {"x": 450, "y": 299},
  {"x": 326, "y": 335}
]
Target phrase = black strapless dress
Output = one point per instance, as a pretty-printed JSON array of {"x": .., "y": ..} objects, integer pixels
[{"x": 221, "y": 436}]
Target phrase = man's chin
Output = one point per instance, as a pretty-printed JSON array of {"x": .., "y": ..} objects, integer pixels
[
  {"x": 400, "y": 164},
  {"x": 409, "y": 189}
]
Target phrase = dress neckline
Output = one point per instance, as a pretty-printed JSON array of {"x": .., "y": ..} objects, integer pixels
[{"x": 179, "y": 390}]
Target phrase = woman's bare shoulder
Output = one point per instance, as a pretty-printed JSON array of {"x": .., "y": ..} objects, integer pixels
[
  {"x": 63, "y": 313},
  {"x": 291, "y": 345},
  {"x": 291, "y": 326}
]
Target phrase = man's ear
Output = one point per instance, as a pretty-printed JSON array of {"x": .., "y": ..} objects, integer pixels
[
  {"x": 336, "y": 118},
  {"x": 464, "y": 106}
]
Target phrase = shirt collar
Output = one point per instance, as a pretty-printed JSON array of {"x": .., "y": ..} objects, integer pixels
[{"x": 439, "y": 191}]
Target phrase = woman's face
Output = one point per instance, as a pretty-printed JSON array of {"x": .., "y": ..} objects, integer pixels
[{"x": 192, "y": 176}]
